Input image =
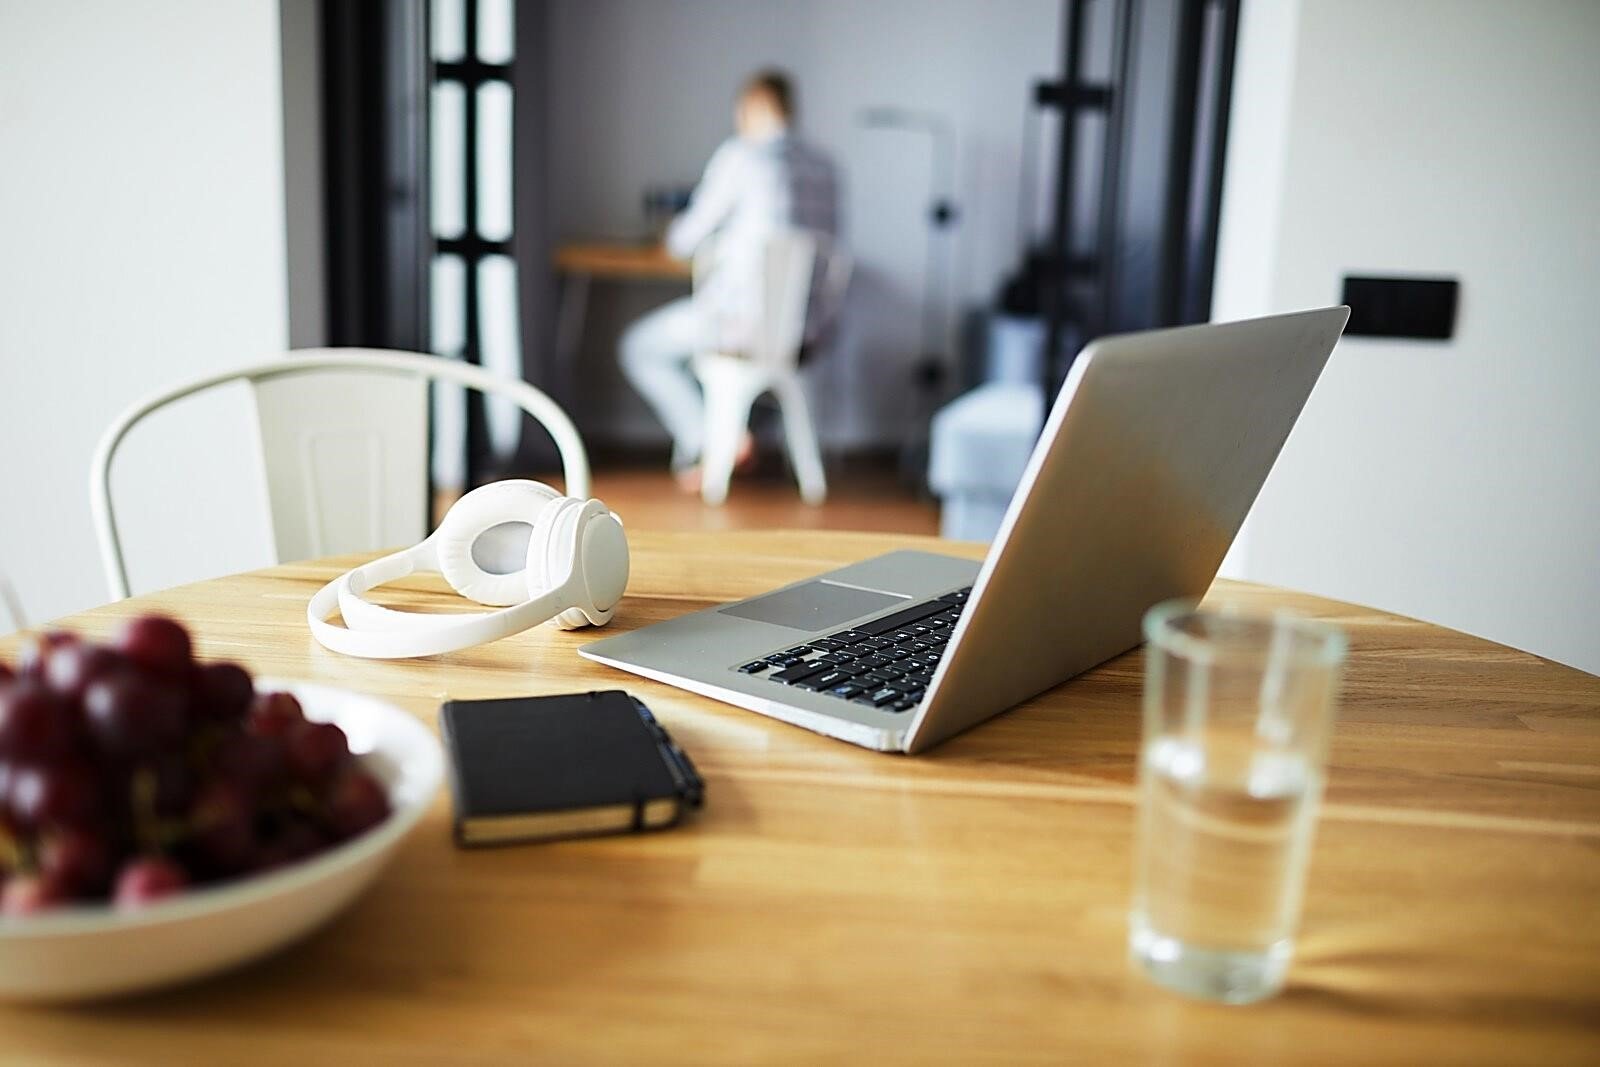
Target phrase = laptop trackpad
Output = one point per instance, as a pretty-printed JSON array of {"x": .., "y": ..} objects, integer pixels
[{"x": 813, "y": 606}]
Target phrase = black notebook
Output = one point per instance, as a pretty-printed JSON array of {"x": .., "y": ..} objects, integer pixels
[{"x": 532, "y": 768}]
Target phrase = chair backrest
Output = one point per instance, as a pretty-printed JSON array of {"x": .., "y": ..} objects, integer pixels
[
  {"x": 788, "y": 265},
  {"x": 829, "y": 284},
  {"x": 344, "y": 442},
  {"x": 804, "y": 275},
  {"x": 804, "y": 278}
]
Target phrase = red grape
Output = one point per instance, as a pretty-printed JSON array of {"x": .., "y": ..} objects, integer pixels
[
  {"x": 61, "y": 794},
  {"x": 274, "y": 714},
  {"x": 71, "y": 668},
  {"x": 301, "y": 839},
  {"x": 252, "y": 763},
  {"x": 223, "y": 828},
  {"x": 29, "y": 894},
  {"x": 37, "y": 652},
  {"x": 108, "y": 749},
  {"x": 77, "y": 860},
  {"x": 297, "y": 840},
  {"x": 222, "y": 692},
  {"x": 174, "y": 783},
  {"x": 34, "y": 724},
  {"x": 355, "y": 803},
  {"x": 148, "y": 879},
  {"x": 314, "y": 750},
  {"x": 158, "y": 644},
  {"x": 131, "y": 716}
]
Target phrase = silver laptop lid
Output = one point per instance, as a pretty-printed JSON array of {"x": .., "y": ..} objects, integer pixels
[{"x": 1150, "y": 459}]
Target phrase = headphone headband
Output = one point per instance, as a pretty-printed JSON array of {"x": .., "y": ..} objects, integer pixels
[{"x": 576, "y": 558}]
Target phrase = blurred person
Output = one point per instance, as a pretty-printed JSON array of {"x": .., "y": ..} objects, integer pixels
[{"x": 762, "y": 180}]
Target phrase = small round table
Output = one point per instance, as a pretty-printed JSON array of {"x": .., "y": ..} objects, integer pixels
[{"x": 967, "y": 905}]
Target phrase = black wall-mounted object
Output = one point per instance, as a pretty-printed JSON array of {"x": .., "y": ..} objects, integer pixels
[{"x": 1414, "y": 308}]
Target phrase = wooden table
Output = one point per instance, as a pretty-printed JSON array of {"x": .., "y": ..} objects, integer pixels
[
  {"x": 579, "y": 263},
  {"x": 613, "y": 259},
  {"x": 832, "y": 904}
]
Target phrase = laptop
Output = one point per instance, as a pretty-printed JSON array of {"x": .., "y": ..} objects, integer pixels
[{"x": 1149, "y": 460}]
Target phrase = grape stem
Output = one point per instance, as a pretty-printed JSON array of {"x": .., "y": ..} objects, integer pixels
[
  {"x": 15, "y": 855},
  {"x": 302, "y": 800},
  {"x": 146, "y": 826}
]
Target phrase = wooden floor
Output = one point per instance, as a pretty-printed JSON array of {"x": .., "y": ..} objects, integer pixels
[{"x": 861, "y": 496}]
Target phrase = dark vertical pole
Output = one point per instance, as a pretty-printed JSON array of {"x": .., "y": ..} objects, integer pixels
[
  {"x": 374, "y": 124},
  {"x": 477, "y": 435},
  {"x": 349, "y": 147},
  {"x": 1201, "y": 286},
  {"x": 375, "y": 92},
  {"x": 1056, "y": 303},
  {"x": 530, "y": 228},
  {"x": 415, "y": 119},
  {"x": 1106, "y": 247},
  {"x": 1180, "y": 164}
]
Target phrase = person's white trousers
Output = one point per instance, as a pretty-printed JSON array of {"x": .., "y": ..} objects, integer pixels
[{"x": 656, "y": 351}]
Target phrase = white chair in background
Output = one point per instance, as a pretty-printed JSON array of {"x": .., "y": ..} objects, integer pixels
[
  {"x": 800, "y": 267},
  {"x": 344, "y": 442}
]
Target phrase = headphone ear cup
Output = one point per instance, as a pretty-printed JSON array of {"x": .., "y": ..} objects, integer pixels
[
  {"x": 538, "y": 576},
  {"x": 564, "y": 554},
  {"x": 583, "y": 539},
  {"x": 604, "y": 558},
  {"x": 488, "y": 506}
]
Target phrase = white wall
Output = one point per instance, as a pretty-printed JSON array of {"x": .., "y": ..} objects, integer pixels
[
  {"x": 1458, "y": 482},
  {"x": 641, "y": 93},
  {"x": 141, "y": 241}
]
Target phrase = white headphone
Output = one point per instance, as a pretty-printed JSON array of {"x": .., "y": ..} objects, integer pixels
[{"x": 572, "y": 571}]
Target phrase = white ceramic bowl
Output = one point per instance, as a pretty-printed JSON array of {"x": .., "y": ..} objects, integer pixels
[{"x": 82, "y": 953}]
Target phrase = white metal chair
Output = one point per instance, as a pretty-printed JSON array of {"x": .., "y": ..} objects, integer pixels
[
  {"x": 799, "y": 268},
  {"x": 344, "y": 443}
]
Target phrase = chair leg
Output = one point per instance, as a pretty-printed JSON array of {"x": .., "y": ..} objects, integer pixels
[
  {"x": 728, "y": 398},
  {"x": 801, "y": 437}
]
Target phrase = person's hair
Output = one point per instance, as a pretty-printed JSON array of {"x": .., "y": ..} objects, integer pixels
[{"x": 775, "y": 85}]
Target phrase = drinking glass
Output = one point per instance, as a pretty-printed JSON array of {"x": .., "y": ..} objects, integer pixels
[{"x": 1238, "y": 707}]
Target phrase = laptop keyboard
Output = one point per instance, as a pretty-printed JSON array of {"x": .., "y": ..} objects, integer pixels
[{"x": 886, "y": 663}]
